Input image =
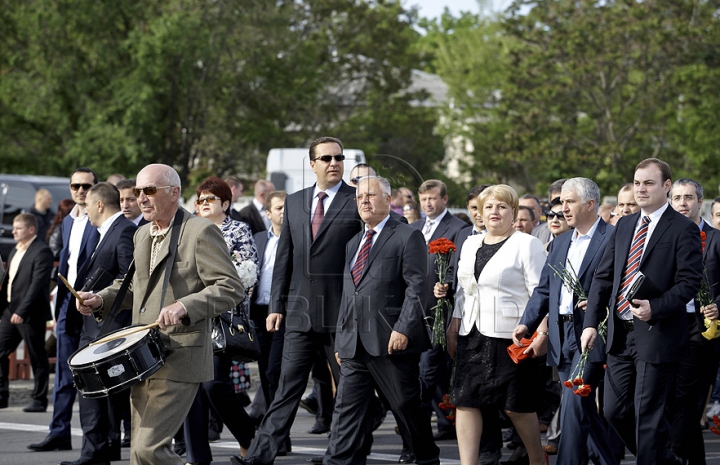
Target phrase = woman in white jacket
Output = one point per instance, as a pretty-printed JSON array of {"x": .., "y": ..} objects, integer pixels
[{"x": 497, "y": 272}]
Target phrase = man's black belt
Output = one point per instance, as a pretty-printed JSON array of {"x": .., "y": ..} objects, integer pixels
[
  {"x": 566, "y": 318},
  {"x": 629, "y": 325}
]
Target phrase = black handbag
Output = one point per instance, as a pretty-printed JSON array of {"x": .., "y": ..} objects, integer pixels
[{"x": 233, "y": 334}]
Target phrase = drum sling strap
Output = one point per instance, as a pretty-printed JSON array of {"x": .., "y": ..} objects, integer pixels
[{"x": 115, "y": 309}]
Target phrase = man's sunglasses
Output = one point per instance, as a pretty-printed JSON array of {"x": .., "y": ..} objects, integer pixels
[
  {"x": 76, "y": 187},
  {"x": 327, "y": 158},
  {"x": 552, "y": 215},
  {"x": 148, "y": 190}
]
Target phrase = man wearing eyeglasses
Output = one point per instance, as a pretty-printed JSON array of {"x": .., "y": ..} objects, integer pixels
[
  {"x": 306, "y": 288},
  {"x": 202, "y": 284},
  {"x": 79, "y": 241}
]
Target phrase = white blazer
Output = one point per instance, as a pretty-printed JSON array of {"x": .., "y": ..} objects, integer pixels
[{"x": 496, "y": 301}]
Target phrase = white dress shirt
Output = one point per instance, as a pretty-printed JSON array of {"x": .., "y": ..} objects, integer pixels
[
  {"x": 433, "y": 225},
  {"x": 264, "y": 287},
  {"x": 378, "y": 229},
  {"x": 327, "y": 201},
  {"x": 80, "y": 222},
  {"x": 576, "y": 253}
]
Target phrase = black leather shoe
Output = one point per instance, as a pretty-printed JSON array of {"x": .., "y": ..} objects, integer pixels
[
  {"x": 85, "y": 461},
  {"x": 319, "y": 428},
  {"x": 318, "y": 459},
  {"x": 309, "y": 404},
  {"x": 406, "y": 456},
  {"x": 179, "y": 449},
  {"x": 52, "y": 443},
  {"x": 445, "y": 434},
  {"x": 285, "y": 448},
  {"x": 125, "y": 440},
  {"x": 237, "y": 460},
  {"x": 34, "y": 407},
  {"x": 3, "y": 403}
]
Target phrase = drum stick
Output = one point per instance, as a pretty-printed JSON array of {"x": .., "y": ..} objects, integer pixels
[
  {"x": 112, "y": 337},
  {"x": 70, "y": 288}
]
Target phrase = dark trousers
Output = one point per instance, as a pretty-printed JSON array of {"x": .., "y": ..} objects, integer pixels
[
  {"x": 584, "y": 435},
  {"x": 271, "y": 346},
  {"x": 635, "y": 398},
  {"x": 64, "y": 390},
  {"x": 33, "y": 333},
  {"x": 397, "y": 378},
  {"x": 435, "y": 381},
  {"x": 696, "y": 372},
  {"x": 300, "y": 351},
  {"x": 196, "y": 429},
  {"x": 100, "y": 421},
  {"x": 226, "y": 403}
]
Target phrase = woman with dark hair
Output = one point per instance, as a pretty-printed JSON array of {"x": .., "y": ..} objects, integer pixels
[
  {"x": 54, "y": 234},
  {"x": 555, "y": 219},
  {"x": 214, "y": 199}
]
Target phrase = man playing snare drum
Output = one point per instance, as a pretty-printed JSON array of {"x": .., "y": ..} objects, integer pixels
[{"x": 203, "y": 283}]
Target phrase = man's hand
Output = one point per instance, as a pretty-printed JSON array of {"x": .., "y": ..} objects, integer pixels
[
  {"x": 16, "y": 319},
  {"x": 171, "y": 315},
  {"x": 440, "y": 290},
  {"x": 538, "y": 347},
  {"x": 337, "y": 359},
  {"x": 641, "y": 309},
  {"x": 398, "y": 341},
  {"x": 710, "y": 311},
  {"x": 272, "y": 322},
  {"x": 582, "y": 305},
  {"x": 451, "y": 336},
  {"x": 90, "y": 302},
  {"x": 587, "y": 339},
  {"x": 519, "y": 332}
]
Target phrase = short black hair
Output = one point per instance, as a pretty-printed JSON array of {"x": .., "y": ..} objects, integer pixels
[{"x": 83, "y": 169}]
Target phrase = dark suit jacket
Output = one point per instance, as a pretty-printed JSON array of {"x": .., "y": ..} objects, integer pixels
[
  {"x": 251, "y": 216},
  {"x": 113, "y": 255},
  {"x": 448, "y": 228},
  {"x": 673, "y": 262},
  {"x": 87, "y": 246},
  {"x": 711, "y": 265},
  {"x": 30, "y": 288},
  {"x": 389, "y": 295},
  {"x": 308, "y": 274},
  {"x": 546, "y": 296}
]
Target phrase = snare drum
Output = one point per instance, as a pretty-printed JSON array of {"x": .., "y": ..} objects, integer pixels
[{"x": 103, "y": 369}]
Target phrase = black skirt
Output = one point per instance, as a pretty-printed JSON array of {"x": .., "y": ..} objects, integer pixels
[{"x": 486, "y": 376}]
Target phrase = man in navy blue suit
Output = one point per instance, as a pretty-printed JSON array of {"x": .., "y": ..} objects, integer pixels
[
  {"x": 100, "y": 417},
  {"x": 79, "y": 241},
  {"x": 554, "y": 306},
  {"x": 647, "y": 336}
]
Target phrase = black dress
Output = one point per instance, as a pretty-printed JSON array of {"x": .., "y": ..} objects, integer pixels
[{"x": 485, "y": 375}]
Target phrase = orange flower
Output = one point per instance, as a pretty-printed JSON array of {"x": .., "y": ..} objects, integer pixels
[
  {"x": 442, "y": 246},
  {"x": 716, "y": 420},
  {"x": 703, "y": 237},
  {"x": 568, "y": 384},
  {"x": 578, "y": 381},
  {"x": 583, "y": 390}
]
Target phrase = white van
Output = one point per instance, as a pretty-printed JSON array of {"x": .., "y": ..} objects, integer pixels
[{"x": 289, "y": 169}]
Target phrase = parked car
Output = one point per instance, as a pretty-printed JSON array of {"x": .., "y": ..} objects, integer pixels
[{"x": 17, "y": 194}]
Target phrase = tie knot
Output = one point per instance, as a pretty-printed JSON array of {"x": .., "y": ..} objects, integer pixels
[
  {"x": 646, "y": 220},
  {"x": 321, "y": 195},
  {"x": 370, "y": 233}
]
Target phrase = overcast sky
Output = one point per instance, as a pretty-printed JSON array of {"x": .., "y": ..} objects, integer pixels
[{"x": 434, "y": 8}]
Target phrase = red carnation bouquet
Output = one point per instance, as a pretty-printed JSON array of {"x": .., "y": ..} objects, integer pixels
[
  {"x": 576, "y": 381},
  {"x": 443, "y": 249}
]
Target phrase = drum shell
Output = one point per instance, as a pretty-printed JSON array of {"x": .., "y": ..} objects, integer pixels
[{"x": 121, "y": 370}]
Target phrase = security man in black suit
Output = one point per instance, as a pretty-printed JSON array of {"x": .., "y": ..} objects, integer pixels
[
  {"x": 25, "y": 305},
  {"x": 646, "y": 337},
  {"x": 254, "y": 214},
  {"x": 306, "y": 288},
  {"x": 100, "y": 417}
]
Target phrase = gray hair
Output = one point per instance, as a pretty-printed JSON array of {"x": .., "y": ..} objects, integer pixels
[
  {"x": 689, "y": 182},
  {"x": 384, "y": 183},
  {"x": 585, "y": 188}
]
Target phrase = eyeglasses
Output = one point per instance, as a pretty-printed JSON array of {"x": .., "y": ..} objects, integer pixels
[
  {"x": 552, "y": 215},
  {"x": 327, "y": 158},
  {"x": 369, "y": 196},
  {"x": 148, "y": 190},
  {"x": 207, "y": 200},
  {"x": 76, "y": 187}
]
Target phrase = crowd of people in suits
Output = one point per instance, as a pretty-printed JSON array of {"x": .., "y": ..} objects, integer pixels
[{"x": 343, "y": 291}]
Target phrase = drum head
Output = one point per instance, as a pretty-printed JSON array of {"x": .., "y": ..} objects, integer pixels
[{"x": 95, "y": 353}]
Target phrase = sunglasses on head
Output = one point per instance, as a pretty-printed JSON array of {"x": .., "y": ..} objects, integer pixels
[
  {"x": 148, "y": 190},
  {"x": 77, "y": 187},
  {"x": 552, "y": 215},
  {"x": 327, "y": 158},
  {"x": 209, "y": 199}
]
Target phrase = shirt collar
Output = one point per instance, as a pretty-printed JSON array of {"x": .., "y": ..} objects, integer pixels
[
  {"x": 438, "y": 218},
  {"x": 655, "y": 216},
  {"x": 260, "y": 207},
  {"x": 379, "y": 227},
  {"x": 588, "y": 234},
  {"x": 23, "y": 246},
  {"x": 334, "y": 189},
  {"x": 78, "y": 213},
  {"x": 155, "y": 230}
]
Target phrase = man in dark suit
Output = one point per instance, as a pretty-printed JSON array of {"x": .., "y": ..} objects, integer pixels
[
  {"x": 698, "y": 367},
  {"x": 100, "y": 417},
  {"x": 236, "y": 187},
  {"x": 79, "y": 241},
  {"x": 646, "y": 337},
  {"x": 254, "y": 214},
  {"x": 555, "y": 311},
  {"x": 128, "y": 202},
  {"x": 380, "y": 330},
  {"x": 306, "y": 288},
  {"x": 434, "y": 363},
  {"x": 25, "y": 308}
]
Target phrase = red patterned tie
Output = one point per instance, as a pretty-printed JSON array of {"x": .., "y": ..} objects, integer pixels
[
  {"x": 319, "y": 214},
  {"x": 631, "y": 267},
  {"x": 362, "y": 257}
]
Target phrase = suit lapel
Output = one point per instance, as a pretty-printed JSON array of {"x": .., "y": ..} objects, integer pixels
[
  {"x": 341, "y": 198},
  {"x": 595, "y": 243},
  {"x": 663, "y": 224},
  {"x": 442, "y": 227},
  {"x": 624, "y": 240},
  {"x": 386, "y": 233}
]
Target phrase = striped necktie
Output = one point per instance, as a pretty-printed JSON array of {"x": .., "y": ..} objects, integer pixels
[
  {"x": 362, "y": 257},
  {"x": 319, "y": 215},
  {"x": 631, "y": 268}
]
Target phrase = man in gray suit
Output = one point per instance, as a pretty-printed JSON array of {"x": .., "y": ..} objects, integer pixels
[
  {"x": 380, "y": 332},
  {"x": 203, "y": 283}
]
